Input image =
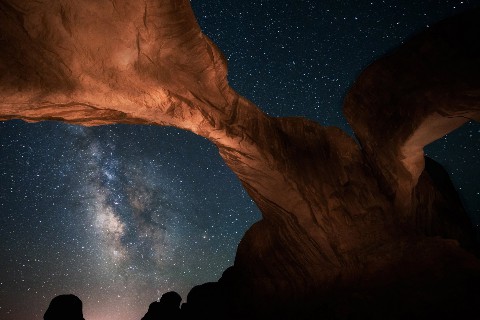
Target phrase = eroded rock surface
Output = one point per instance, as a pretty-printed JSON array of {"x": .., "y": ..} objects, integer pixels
[{"x": 343, "y": 227}]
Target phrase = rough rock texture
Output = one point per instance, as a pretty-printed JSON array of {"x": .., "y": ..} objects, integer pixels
[{"x": 344, "y": 228}]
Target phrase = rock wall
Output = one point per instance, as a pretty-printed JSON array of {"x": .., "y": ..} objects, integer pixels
[{"x": 343, "y": 225}]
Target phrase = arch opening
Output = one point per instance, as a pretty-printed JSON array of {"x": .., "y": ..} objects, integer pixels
[
  {"x": 458, "y": 153},
  {"x": 117, "y": 214}
]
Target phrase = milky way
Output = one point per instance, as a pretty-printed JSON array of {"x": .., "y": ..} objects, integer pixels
[
  {"x": 116, "y": 214},
  {"x": 120, "y": 214}
]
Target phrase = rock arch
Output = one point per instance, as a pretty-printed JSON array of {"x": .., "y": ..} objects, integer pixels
[{"x": 335, "y": 214}]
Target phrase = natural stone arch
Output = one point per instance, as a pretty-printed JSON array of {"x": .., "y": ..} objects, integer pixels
[
  {"x": 429, "y": 87},
  {"x": 333, "y": 213}
]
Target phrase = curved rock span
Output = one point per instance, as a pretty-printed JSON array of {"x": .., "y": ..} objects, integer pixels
[{"x": 347, "y": 231}]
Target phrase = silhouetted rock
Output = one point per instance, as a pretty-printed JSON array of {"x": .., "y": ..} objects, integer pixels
[
  {"x": 203, "y": 301},
  {"x": 341, "y": 223},
  {"x": 154, "y": 311},
  {"x": 64, "y": 307},
  {"x": 170, "y": 305},
  {"x": 167, "y": 308}
]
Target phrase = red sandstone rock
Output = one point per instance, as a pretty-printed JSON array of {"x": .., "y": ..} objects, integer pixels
[
  {"x": 415, "y": 95},
  {"x": 340, "y": 223}
]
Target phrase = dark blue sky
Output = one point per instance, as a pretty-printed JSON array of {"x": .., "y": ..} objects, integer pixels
[{"x": 120, "y": 214}]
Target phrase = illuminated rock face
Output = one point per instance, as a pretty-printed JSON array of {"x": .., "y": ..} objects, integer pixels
[{"x": 339, "y": 221}]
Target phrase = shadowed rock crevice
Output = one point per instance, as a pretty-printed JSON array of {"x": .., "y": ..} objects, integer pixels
[{"x": 343, "y": 227}]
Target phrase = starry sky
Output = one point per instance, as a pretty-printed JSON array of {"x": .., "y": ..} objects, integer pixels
[{"x": 120, "y": 214}]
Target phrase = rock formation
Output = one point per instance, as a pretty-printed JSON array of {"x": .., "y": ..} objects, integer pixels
[{"x": 344, "y": 226}]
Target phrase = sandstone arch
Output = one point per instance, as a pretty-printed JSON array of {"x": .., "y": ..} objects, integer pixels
[{"x": 334, "y": 214}]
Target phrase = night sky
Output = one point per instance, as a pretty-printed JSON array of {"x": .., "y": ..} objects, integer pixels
[{"x": 120, "y": 214}]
